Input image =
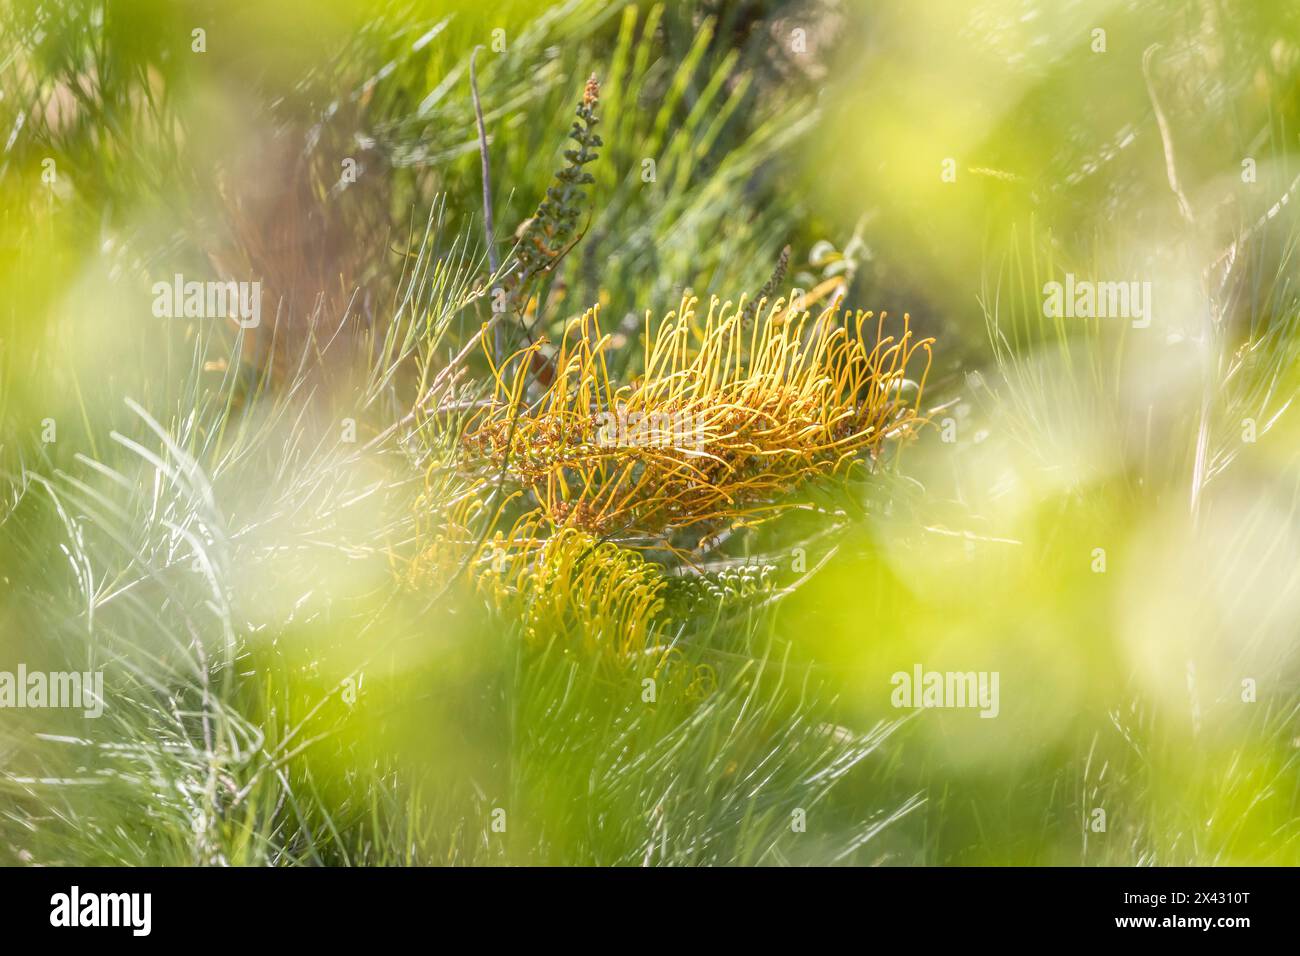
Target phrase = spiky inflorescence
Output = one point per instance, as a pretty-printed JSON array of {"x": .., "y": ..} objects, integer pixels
[
  {"x": 568, "y": 587},
  {"x": 578, "y": 589},
  {"x": 544, "y": 238},
  {"x": 582, "y": 594},
  {"x": 450, "y": 523},
  {"x": 746, "y": 411}
]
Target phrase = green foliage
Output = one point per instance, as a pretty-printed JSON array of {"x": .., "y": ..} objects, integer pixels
[{"x": 323, "y": 641}]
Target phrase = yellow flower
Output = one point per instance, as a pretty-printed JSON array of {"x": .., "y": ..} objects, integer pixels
[{"x": 741, "y": 412}]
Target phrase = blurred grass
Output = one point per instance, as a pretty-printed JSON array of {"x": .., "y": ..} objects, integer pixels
[{"x": 203, "y": 529}]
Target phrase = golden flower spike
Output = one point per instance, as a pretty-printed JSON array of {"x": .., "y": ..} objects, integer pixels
[
  {"x": 726, "y": 417},
  {"x": 571, "y": 588}
]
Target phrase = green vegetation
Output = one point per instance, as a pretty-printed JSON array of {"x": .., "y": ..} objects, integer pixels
[{"x": 597, "y": 533}]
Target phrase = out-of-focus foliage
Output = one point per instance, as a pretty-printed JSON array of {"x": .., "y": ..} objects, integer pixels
[{"x": 369, "y": 586}]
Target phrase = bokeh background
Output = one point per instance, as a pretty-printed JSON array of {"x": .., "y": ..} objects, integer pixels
[{"x": 1104, "y": 514}]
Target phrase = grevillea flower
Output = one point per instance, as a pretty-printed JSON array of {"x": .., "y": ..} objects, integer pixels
[
  {"x": 589, "y": 595},
  {"x": 593, "y": 593},
  {"x": 743, "y": 411}
]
